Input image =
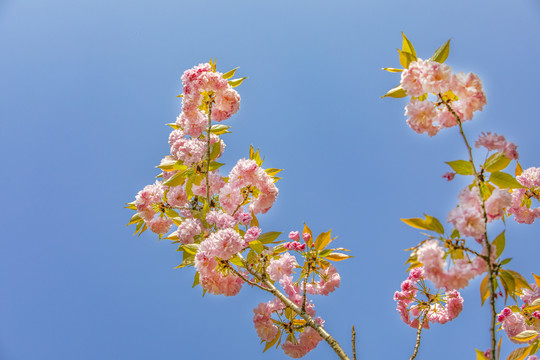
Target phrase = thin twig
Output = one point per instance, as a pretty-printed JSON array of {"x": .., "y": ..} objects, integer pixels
[
  {"x": 237, "y": 273},
  {"x": 353, "y": 343},
  {"x": 419, "y": 334}
]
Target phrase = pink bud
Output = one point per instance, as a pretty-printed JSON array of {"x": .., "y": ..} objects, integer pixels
[
  {"x": 294, "y": 235},
  {"x": 306, "y": 236}
]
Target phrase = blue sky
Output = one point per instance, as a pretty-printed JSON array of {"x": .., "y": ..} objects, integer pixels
[{"x": 86, "y": 88}]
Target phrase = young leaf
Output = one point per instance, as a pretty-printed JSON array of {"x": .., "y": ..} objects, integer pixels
[
  {"x": 397, "y": 92},
  {"x": 484, "y": 289},
  {"x": 430, "y": 223},
  {"x": 257, "y": 246},
  {"x": 322, "y": 240},
  {"x": 521, "y": 282},
  {"x": 519, "y": 354},
  {"x": 219, "y": 129},
  {"x": 229, "y": 74},
  {"x": 134, "y": 219},
  {"x": 508, "y": 282},
  {"x": 519, "y": 170},
  {"x": 131, "y": 206},
  {"x": 176, "y": 179},
  {"x": 525, "y": 336},
  {"x": 496, "y": 162},
  {"x": 537, "y": 280},
  {"x": 309, "y": 242},
  {"x": 335, "y": 256},
  {"x": 504, "y": 180},
  {"x": 236, "y": 82},
  {"x": 499, "y": 243},
  {"x": 196, "y": 280},
  {"x": 268, "y": 237},
  {"x": 393, "y": 70},
  {"x": 461, "y": 167},
  {"x": 480, "y": 355},
  {"x": 405, "y": 58},
  {"x": 408, "y": 46},
  {"x": 441, "y": 54}
]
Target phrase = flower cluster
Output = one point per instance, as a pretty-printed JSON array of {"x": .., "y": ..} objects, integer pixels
[
  {"x": 463, "y": 91},
  {"x": 522, "y": 197},
  {"x": 435, "y": 308},
  {"x": 215, "y": 221}
]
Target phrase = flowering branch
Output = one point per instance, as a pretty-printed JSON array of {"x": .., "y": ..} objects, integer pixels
[
  {"x": 302, "y": 313},
  {"x": 491, "y": 274}
]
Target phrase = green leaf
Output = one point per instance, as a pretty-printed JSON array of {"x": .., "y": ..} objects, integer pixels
[
  {"x": 430, "y": 223},
  {"x": 505, "y": 261},
  {"x": 215, "y": 150},
  {"x": 322, "y": 240},
  {"x": 219, "y": 129},
  {"x": 405, "y": 58},
  {"x": 272, "y": 171},
  {"x": 177, "y": 179},
  {"x": 236, "y": 82},
  {"x": 309, "y": 242},
  {"x": 496, "y": 162},
  {"x": 508, "y": 282},
  {"x": 480, "y": 355},
  {"x": 257, "y": 246},
  {"x": 131, "y": 206},
  {"x": 408, "y": 46},
  {"x": 235, "y": 260},
  {"x": 525, "y": 336},
  {"x": 229, "y": 74},
  {"x": 190, "y": 248},
  {"x": 519, "y": 354},
  {"x": 504, "y": 180},
  {"x": 196, "y": 280},
  {"x": 134, "y": 219},
  {"x": 174, "y": 125},
  {"x": 214, "y": 165},
  {"x": 268, "y": 237},
  {"x": 521, "y": 282},
  {"x": 484, "y": 289},
  {"x": 397, "y": 92},
  {"x": 537, "y": 280},
  {"x": 441, "y": 54},
  {"x": 393, "y": 70},
  {"x": 335, "y": 256},
  {"x": 271, "y": 343},
  {"x": 325, "y": 253},
  {"x": 461, "y": 167},
  {"x": 500, "y": 243}
]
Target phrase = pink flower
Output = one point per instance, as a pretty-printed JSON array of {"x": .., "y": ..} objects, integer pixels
[
  {"x": 189, "y": 151},
  {"x": 436, "y": 78},
  {"x": 468, "y": 218},
  {"x": 421, "y": 116},
  {"x": 529, "y": 295},
  {"x": 192, "y": 123},
  {"x": 228, "y": 242},
  {"x": 177, "y": 196},
  {"x": 281, "y": 267},
  {"x": 144, "y": 200},
  {"x": 220, "y": 219},
  {"x": 188, "y": 229},
  {"x": 294, "y": 235},
  {"x": 498, "y": 143},
  {"x": 468, "y": 88},
  {"x": 307, "y": 341},
  {"x": 330, "y": 280},
  {"x": 294, "y": 245},
  {"x": 497, "y": 202},
  {"x": 252, "y": 234},
  {"x": 247, "y": 173},
  {"x": 215, "y": 181},
  {"x": 411, "y": 78},
  {"x": 160, "y": 225}
]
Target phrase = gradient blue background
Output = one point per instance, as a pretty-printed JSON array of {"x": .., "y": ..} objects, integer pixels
[{"x": 86, "y": 88}]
